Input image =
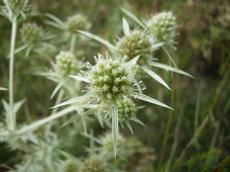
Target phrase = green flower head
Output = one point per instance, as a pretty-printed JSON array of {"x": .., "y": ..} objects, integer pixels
[
  {"x": 77, "y": 22},
  {"x": 66, "y": 64},
  {"x": 135, "y": 44},
  {"x": 126, "y": 109},
  {"x": 31, "y": 33},
  {"x": 93, "y": 165},
  {"x": 70, "y": 166},
  {"x": 163, "y": 27},
  {"x": 110, "y": 79}
]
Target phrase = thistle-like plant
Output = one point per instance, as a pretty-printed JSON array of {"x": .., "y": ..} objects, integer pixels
[
  {"x": 110, "y": 81},
  {"x": 138, "y": 43}
]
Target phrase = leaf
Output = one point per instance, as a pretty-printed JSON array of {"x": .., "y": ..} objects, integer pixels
[
  {"x": 44, "y": 121},
  {"x": 56, "y": 89},
  {"x": 150, "y": 100},
  {"x": 80, "y": 78},
  {"x": 18, "y": 105},
  {"x": 134, "y": 18},
  {"x": 126, "y": 28},
  {"x": 171, "y": 59},
  {"x": 170, "y": 68},
  {"x": 111, "y": 47},
  {"x": 132, "y": 62},
  {"x": 3, "y": 89},
  {"x": 79, "y": 99},
  {"x": 55, "y": 19},
  {"x": 115, "y": 128},
  {"x": 156, "y": 77}
]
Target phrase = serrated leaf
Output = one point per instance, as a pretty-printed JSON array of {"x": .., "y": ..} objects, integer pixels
[
  {"x": 156, "y": 77},
  {"x": 111, "y": 47},
  {"x": 150, "y": 100},
  {"x": 134, "y": 18},
  {"x": 125, "y": 25},
  {"x": 170, "y": 68},
  {"x": 115, "y": 129}
]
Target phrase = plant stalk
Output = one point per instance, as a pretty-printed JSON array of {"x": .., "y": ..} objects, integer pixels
[{"x": 12, "y": 115}]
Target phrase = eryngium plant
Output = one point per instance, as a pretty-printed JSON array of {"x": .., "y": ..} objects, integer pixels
[{"x": 110, "y": 81}]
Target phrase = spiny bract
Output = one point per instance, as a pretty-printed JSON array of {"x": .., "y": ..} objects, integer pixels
[
  {"x": 126, "y": 109},
  {"x": 31, "y": 33},
  {"x": 93, "y": 165},
  {"x": 110, "y": 79},
  {"x": 66, "y": 63},
  {"x": 163, "y": 26},
  {"x": 135, "y": 44},
  {"x": 70, "y": 166},
  {"x": 77, "y": 22}
]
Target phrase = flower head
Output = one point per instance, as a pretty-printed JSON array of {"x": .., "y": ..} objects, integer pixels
[
  {"x": 135, "y": 44},
  {"x": 66, "y": 63},
  {"x": 93, "y": 165},
  {"x": 110, "y": 79},
  {"x": 77, "y": 22},
  {"x": 31, "y": 33},
  {"x": 126, "y": 109},
  {"x": 70, "y": 166},
  {"x": 163, "y": 26}
]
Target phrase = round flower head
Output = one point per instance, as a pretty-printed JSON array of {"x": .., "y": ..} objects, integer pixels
[
  {"x": 66, "y": 63},
  {"x": 107, "y": 142},
  {"x": 77, "y": 22},
  {"x": 31, "y": 33},
  {"x": 93, "y": 165},
  {"x": 126, "y": 109},
  {"x": 70, "y": 166},
  {"x": 135, "y": 44},
  {"x": 163, "y": 26},
  {"x": 110, "y": 79}
]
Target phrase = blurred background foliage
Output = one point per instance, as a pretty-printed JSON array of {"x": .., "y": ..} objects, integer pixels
[{"x": 197, "y": 130}]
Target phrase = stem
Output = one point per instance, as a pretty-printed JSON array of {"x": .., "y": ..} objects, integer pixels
[
  {"x": 12, "y": 115},
  {"x": 169, "y": 123},
  {"x": 72, "y": 43}
]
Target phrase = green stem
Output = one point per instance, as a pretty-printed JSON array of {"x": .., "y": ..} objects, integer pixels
[
  {"x": 12, "y": 115},
  {"x": 72, "y": 43},
  {"x": 169, "y": 123}
]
